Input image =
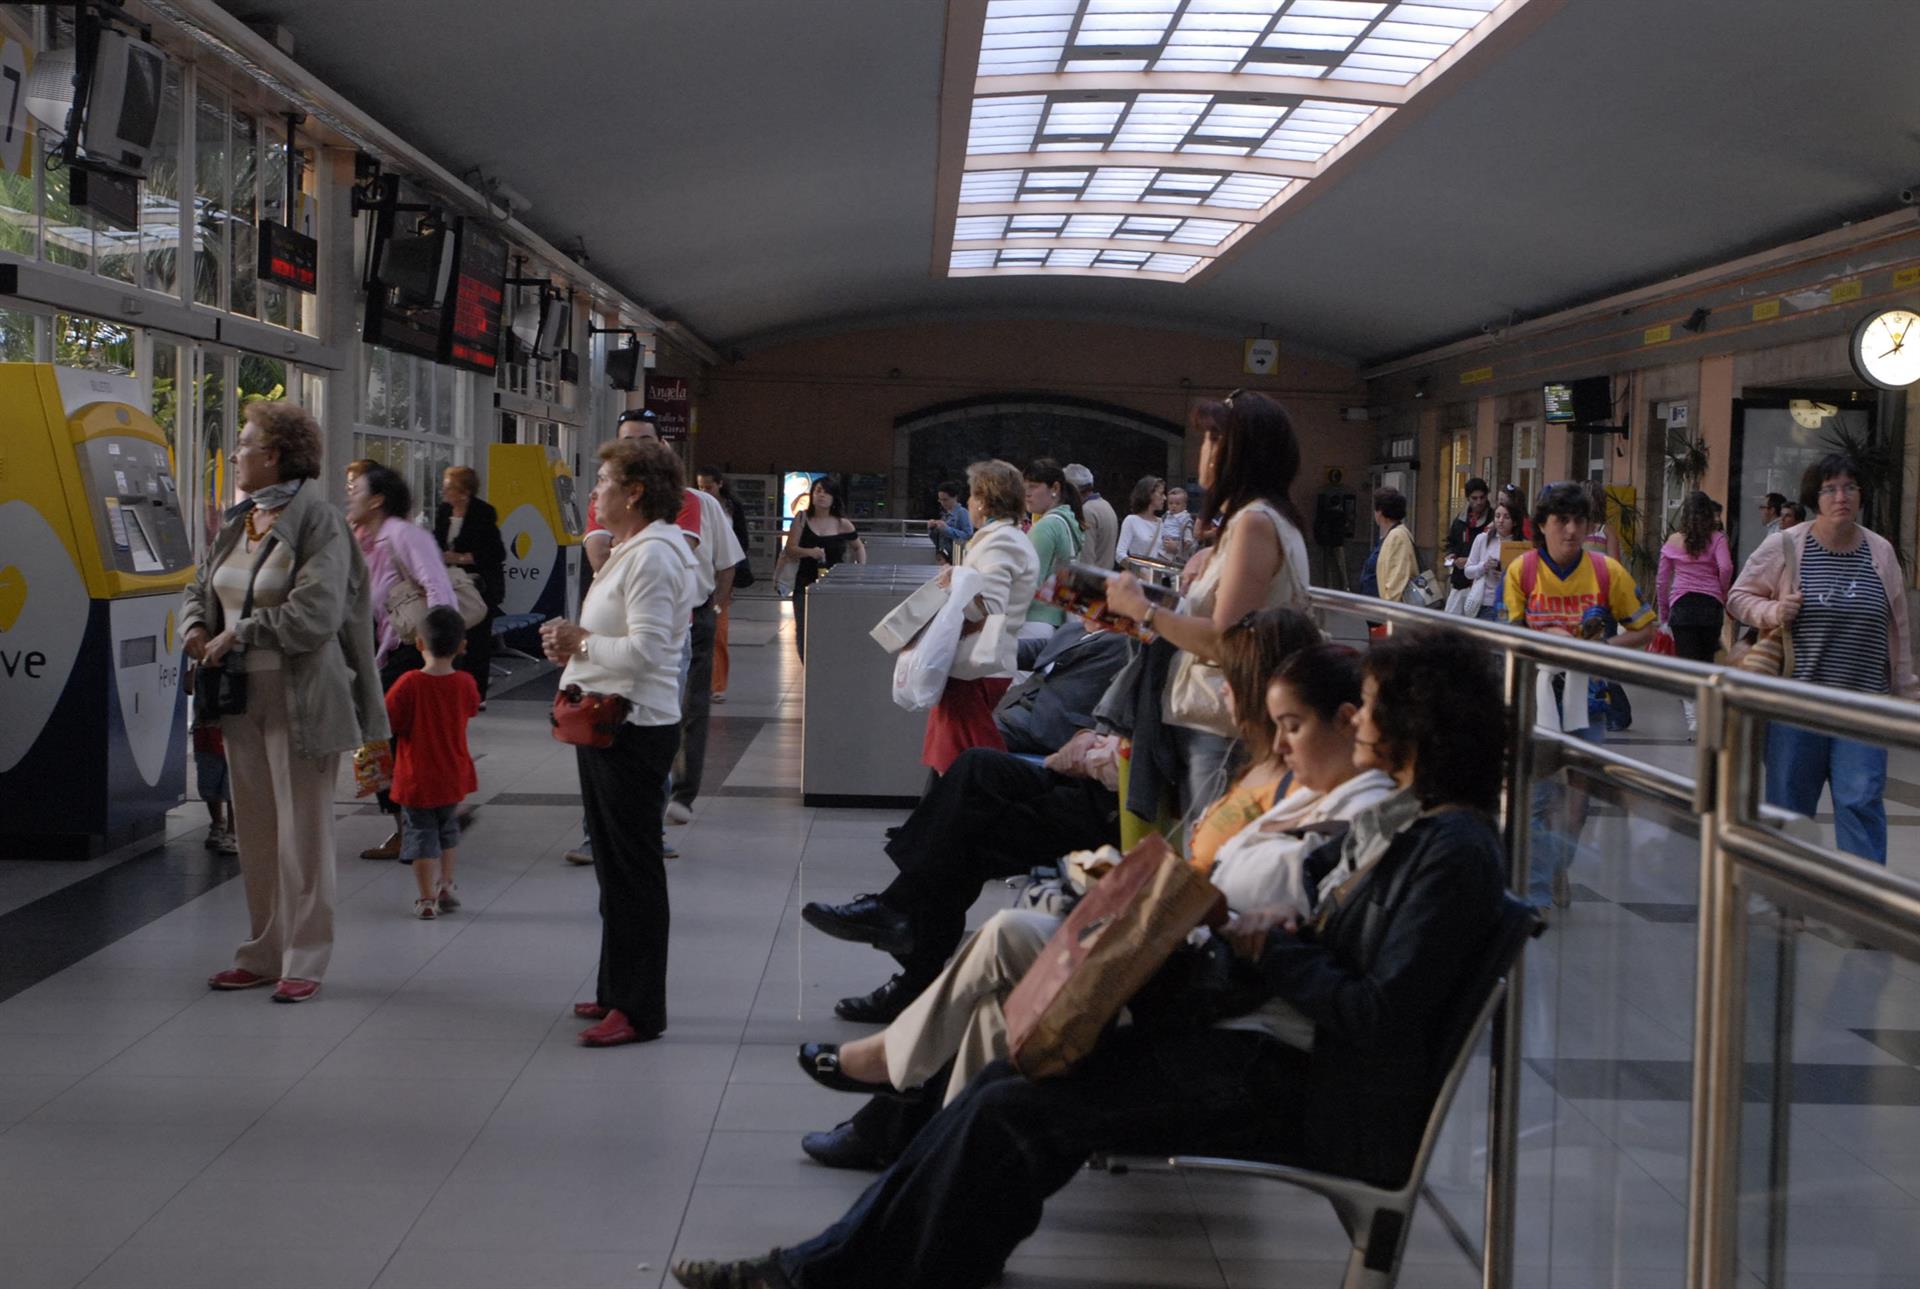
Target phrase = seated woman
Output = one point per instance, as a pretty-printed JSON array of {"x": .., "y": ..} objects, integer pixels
[
  {"x": 1310, "y": 701},
  {"x": 1397, "y": 924}
]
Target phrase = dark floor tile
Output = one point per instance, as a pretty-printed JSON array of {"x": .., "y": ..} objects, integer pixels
[
  {"x": 1676, "y": 913},
  {"x": 1903, "y": 1043}
]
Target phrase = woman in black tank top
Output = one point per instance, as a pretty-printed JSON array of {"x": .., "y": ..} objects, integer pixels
[{"x": 820, "y": 538}]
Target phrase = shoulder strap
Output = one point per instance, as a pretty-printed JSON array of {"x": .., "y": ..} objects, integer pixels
[
  {"x": 1602, "y": 577},
  {"x": 1529, "y": 572},
  {"x": 1792, "y": 552}
]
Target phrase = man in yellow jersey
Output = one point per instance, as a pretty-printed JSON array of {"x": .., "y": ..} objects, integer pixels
[{"x": 1564, "y": 589}]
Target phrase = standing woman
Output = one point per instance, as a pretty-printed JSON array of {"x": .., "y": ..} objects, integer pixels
[
  {"x": 1249, "y": 458},
  {"x": 713, "y": 483},
  {"x": 628, "y": 642},
  {"x": 1396, "y": 562},
  {"x": 1140, "y": 530},
  {"x": 1009, "y": 574},
  {"x": 380, "y": 509},
  {"x": 1483, "y": 562},
  {"x": 1839, "y": 589},
  {"x": 312, "y": 691},
  {"x": 821, "y": 537},
  {"x": 1696, "y": 571},
  {"x": 1057, "y": 533},
  {"x": 467, "y": 530}
]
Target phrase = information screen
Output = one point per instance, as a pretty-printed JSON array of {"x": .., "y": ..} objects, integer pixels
[
  {"x": 479, "y": 297},
  {"x": 1558, "y": 401},
  {"x": 289, "y": 258}
]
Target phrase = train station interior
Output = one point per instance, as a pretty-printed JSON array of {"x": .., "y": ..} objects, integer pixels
[{"x": 1659, "y": 250}]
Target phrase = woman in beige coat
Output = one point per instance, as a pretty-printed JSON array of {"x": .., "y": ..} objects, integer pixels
[{"x": 312, "y": 692}]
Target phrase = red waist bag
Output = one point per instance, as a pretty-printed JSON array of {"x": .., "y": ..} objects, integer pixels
[{"x": 588, "y": 720}]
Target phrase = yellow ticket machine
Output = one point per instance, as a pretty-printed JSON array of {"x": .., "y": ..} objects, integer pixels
[
  {"x": 93, "y": 557},
  {"x": 540, "y": 524}
]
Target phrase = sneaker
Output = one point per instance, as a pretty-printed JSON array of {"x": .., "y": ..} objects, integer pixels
[
  {"x": 236, "y": 978},
  {"x": 449, "y": 897},
  {"x": 679, "y": 812},
  {"x": 213, "y": 837},
  {"x": 583, "y": 858},
  {"x": 229, "y": 844},
  {"x": 720, "y": 697},
  {"x": 425, "y": 909},
  {"x": 668, "y": 852},
  {"x": 296, "y": 991}
]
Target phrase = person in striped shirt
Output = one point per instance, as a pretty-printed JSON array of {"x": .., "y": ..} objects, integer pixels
[{"x": 1839, "y": 589}]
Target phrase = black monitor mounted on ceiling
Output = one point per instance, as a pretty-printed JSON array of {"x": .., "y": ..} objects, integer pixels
[
  {"x": 1579, "y": 404},
  {"x": 627, "y": 364}
]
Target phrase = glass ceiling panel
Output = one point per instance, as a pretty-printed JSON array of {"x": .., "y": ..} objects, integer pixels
[{"x": 1169, "y": 89}]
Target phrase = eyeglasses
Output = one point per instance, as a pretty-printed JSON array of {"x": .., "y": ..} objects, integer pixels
[{"x": 1841, "y": 490}]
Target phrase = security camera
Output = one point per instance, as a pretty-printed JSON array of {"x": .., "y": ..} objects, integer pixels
[
  {"x": 1909, "y": 195},
  {"x": 511, "y": 198}
]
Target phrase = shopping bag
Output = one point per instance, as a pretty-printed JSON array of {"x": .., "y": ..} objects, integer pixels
[
  {"x": 920, "y": 671},
  {"x": 1661, "y": 646},
  {"x": 907, "y": 618},
  {"x": 1117, "y": 936}
]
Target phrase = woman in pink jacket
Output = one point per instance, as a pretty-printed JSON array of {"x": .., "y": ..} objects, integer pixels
[
  {"x": 1696, "y": 569},
  {"x": 1844, "y": 601}
]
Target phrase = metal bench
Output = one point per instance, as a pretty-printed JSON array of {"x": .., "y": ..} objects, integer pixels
[{"x": 1377, "y": 1219}]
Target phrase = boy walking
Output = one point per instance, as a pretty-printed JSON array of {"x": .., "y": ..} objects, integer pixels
[{"x": 432, "y": 770}]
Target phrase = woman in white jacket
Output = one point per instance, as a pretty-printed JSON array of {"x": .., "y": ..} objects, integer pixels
[
  {"x": 1484, "y": 567},
  {"x": 1312, "y": 701},
  {"x": 986, "y": 659},
  {"x": 631, "y": 633}
]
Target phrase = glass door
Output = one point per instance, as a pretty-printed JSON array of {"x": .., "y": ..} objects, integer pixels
[{"x": 1777, "y": 436}]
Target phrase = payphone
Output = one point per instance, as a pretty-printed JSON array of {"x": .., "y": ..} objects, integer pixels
[
  {"x": 93, "y": 557},
  {"x": 541, "y": 523}
]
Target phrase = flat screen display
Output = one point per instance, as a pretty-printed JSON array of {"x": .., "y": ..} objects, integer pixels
[
  {"x": 406, "y": 296},
  {"x": 1557, "y": 399},
  {"x": 479, "y": 296},
  {"x": 1588, "y": 401}
]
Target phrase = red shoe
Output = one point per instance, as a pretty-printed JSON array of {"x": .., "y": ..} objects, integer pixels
[
  {"x": 615, "y": 1030},
  {"x": 235, "y": 978},
  {"x": 296, "y": 991},
  {"x": 590, "y": 1011}
]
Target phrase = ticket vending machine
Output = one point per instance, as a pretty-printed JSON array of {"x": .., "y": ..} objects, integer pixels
[
  {"x": 541, "y": 523},
  {"x": 93, "y": 557}
]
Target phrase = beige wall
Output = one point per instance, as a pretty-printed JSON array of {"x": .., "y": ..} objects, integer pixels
[{"x": 831, "y": 401}]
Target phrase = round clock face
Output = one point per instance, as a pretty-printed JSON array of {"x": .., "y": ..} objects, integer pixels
[
  {"x": 1886, "y": 348},
  {"x": 1812, "y": 415}
]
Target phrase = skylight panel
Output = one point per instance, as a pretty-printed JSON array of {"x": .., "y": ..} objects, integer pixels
[
  {"x": 1203, "y": 232},
  {"x": 1005, "y": 124},
  {"x": 1169, "y": 263},
  {"x": 1035, "y": 225},
  {"x": 979, "y": 228},
  {"x": 1443, "y": 14},
  {"x": 1249, "y": 191},
  {"x": 1361, "y": 10},
  {"x": 1056, "y": 180},
  {"x": 1070, "y": 258},
  {"x": 1118, "y": 183},
  {"x": 990, "y": 185},
  {"x": 1264, "y": 8},
  {"x": 1105, "y": 65},
  {"x": 970, "y": 260},
  {"x": 1101, "y": 226}
]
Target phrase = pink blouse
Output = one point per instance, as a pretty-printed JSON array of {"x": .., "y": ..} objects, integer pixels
[
  {"x": 1708, "y": 573},
  {"x": 400, "y": 549}
]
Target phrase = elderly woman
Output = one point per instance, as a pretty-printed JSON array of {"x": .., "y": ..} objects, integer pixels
[
  {"x": 1838, "y": 590},
  {"x": 983, "y": 666},
  {"x": 1333, "y": 1071},
  {"x": 282, "y": 595},
  {"x": 467, "y": 530},
  {"x": 628, "y": 642},
  {"x": 399, "y": 554}
]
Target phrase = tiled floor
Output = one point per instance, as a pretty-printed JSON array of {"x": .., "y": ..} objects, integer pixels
[{"x": 429, "y": 1120}]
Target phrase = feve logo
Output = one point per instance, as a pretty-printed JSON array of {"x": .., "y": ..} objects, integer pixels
[
  {"x": 43, "y": 617},
  {"x": 13, "y": 595}
]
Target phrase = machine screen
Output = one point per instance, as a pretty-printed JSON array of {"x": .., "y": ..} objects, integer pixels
[
  {"x": 141, "y": 651},
  {"x": 136, "y": 506}
]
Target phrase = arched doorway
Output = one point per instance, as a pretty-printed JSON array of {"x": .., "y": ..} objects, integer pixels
[{"x": 1118, "y": 444}]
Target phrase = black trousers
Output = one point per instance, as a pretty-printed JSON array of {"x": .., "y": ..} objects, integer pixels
[
  {"x": 991, "y": 815},
  {"x": 624, "y": 790},
  {"x": 971, "y": 1186},
  {"x": 1696, "y": 620},
  {"x": 401, "y": 659},
  {"x": 696, "y": 705},
  {"x": 477, "y": 661}
]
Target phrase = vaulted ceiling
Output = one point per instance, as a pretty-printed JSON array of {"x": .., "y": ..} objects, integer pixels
[{"x": 758, "y": 168}]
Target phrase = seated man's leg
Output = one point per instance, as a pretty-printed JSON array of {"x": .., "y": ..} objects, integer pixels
[{"x": 971, "y": 1186}]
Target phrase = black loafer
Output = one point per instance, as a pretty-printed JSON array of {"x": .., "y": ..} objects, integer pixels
[
  {"x": 866, "y": 920},
  {"x": 821, "y": 1062},
  {"x": 844, "y": 1147},
  {"x": 883, "y": 1004}
]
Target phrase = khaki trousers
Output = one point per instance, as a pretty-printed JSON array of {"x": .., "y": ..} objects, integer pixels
[
  {"x": 959, "y": 1016},
  {"x": 283, "y": 820}
]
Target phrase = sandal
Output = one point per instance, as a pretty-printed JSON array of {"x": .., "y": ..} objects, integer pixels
[{"x": 425, "y": 909}]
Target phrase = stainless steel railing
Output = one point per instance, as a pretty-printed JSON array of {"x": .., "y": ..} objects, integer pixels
[{"x": 1744, "y": 851}]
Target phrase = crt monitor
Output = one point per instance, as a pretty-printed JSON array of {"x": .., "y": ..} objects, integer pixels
[{"x": 123, "y": 100}]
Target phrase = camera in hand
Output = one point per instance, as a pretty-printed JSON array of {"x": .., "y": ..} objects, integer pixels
[{"x": 1081, "y": 589}]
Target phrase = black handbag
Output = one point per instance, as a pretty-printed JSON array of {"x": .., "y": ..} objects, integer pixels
[{"x": 222, "y": 690}]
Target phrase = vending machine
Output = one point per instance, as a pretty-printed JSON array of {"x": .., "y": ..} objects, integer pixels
[
  {"x": 93, "y": 557},
  {"x": 541, "y": 523}
]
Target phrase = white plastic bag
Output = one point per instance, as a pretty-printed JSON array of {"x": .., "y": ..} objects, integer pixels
[
  {"x": 909, "y": 617},
  {"x": 920, "y": 671}
]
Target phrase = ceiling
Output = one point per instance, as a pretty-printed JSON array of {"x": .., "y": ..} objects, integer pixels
[{"x": 758, "y": 168}]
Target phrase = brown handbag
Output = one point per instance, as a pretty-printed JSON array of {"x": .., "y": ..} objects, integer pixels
[
  {"x": 587, "y": 719},
  {"x": 1772, "y": 653},
  {"x": 1115, "y": 939}
]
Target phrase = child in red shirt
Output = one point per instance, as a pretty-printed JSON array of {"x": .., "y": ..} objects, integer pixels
[{"x": 432, "y": 770}]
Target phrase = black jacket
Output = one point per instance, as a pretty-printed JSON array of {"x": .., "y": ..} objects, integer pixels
[
  {"x": 480, "y": 538},
  {"x": 1377, "y": 982},
  {"x": 1056, "y": 700},
  {"x": 1460, "y": 545}
]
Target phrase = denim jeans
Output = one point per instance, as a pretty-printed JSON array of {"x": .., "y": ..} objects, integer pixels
[
  {"x": 1800, "y": 763},
  {"x": 971, "y": 1185},
  {"x": 1555, "y": 830}
]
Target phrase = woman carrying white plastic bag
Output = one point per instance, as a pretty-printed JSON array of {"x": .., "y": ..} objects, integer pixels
[
  {"x": 986, "y": 658},
  {"x": 920, "y": 672}
]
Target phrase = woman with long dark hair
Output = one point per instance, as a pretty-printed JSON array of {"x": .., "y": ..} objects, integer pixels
[
  {"x": 1696, "y": 571},
  {"x": 821, "y": 537},
  {"x": 1140, "y": 530},
  {"x": 1249, "y": 459}
]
